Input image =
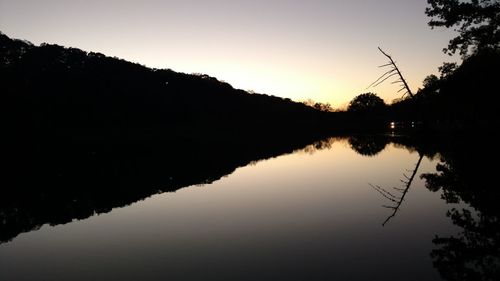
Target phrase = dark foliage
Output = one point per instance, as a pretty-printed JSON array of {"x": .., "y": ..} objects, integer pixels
[
  {"x": 55, "y": 183},
  {"x": 87, "y": 133},
  {"x": 464, "y": 177},
  {"x": 52, "y": 91},
  {"x": 367, "y": 112},
  {"x": 477, "y": 23},
  {"x": 368, "y": 145},
  {"x": 460, "y": 99},
  {"x": 367, "y": 102}
]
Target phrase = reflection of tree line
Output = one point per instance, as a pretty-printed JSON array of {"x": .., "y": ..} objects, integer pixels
[
  {"x": 55, "y": 185},
  {"x": 323, "y": 144},
  {"x": 473, "y": 254},
  {"x": 58, "y": 183},
  {"x": 366, "y": 145},
  {"x": 464, "y": 176}
]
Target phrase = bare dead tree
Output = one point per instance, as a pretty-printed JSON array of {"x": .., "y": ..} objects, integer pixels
[
  {"x": 396, "y": 199},
  {"x": 393, "y": 71}
]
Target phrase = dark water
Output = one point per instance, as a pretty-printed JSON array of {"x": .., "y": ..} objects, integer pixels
[{"x": 309, "y": 213}]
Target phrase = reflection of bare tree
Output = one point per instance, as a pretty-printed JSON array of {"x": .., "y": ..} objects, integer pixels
[{"x": 397, "y": 199}]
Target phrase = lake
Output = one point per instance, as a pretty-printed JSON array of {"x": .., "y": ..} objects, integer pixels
[{"x": 331, "y": 210}]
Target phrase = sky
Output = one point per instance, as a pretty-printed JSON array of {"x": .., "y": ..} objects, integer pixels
[{"x": 324, "y": 50}]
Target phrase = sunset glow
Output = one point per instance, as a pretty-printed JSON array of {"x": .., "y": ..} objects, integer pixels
[{"x": 320, "y": 50}]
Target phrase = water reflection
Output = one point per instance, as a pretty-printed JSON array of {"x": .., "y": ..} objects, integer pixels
[
  {"x": 322, "y": 144},
  {"x": 278, "y": 214},
  {"x": 398, "y": 194},
  {"x": 368, "y": 145},
  {"x": 371, "y": 145},
  {"x": 474, "y": 253},
  {"x": 54, "y": 183}
]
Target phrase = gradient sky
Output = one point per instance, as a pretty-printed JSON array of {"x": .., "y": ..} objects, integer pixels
[{"x": 325, "y": 50}]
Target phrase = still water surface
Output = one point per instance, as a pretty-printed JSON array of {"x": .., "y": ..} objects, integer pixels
[{"x": 314, "y": 214}]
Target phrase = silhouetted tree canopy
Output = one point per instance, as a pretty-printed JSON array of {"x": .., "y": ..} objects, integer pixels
[
  {"x": 447, "y": 69},
  {"x": 431, "y": 81},
  {"x": 461, "y": 98},
  {"x": 55, "y": 91},
  {"x": 477, "y": 23},
  {"x": 366, "y": 102},
  {"x": 327, "y": 107}
]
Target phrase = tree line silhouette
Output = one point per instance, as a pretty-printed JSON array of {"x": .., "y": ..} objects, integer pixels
[
  {"x": 460, "y": 99},
  {"x": 50, "y": 91}
]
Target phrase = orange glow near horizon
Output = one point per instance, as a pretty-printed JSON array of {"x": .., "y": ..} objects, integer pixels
[{"x": 320, "y": 50}]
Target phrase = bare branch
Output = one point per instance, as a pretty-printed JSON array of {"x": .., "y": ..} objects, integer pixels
[
  {"x": 395, "y": 69},
  {"x": 384, "y": 65},
  {"x": 390, "y": 71},
  {"x": 385, "y": 54},
  {"x": 384, "y": 79},
  {"x": 402, "y": 89}
]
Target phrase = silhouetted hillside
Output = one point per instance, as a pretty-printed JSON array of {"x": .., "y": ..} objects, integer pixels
[
  {"x": 49, "y": 90},
  {"x": 87, "y": 133}
]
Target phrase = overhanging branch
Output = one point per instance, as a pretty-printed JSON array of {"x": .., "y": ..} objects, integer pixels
[{"x": 393, "y": 71}]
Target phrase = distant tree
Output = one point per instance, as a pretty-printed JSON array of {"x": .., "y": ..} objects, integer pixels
[
  {"x": 309, "y": 102},
  {"x": 476, "y": 21},
  {"x": 447, "y": 69},
  {"x": 430, "y": 80},
  {"x": 323, "y": 106},
  {"x": 366, "y": 102},
  {"x": 432, "y": 83},
  {"x": 319, "y": 105}
]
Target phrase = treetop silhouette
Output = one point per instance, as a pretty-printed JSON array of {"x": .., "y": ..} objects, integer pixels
[{"x": 476, "y": 21}]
